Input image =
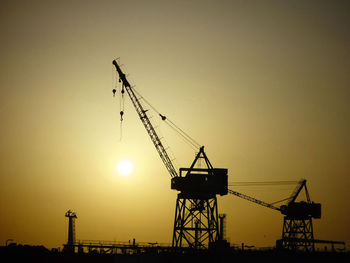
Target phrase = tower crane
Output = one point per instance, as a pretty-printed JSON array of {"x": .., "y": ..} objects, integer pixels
[
  {"x": 297, "y": 230},
  {"x": 196, "y": 223}
]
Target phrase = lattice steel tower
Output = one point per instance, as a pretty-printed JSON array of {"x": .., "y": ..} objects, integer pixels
[{"x": 71, "y": 230}]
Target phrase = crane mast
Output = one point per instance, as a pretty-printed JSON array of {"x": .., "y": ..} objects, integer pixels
[{"x": 146, "y": 122}]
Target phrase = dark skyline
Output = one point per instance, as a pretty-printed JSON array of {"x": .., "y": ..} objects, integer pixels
[{"x": 264, "y": 85}]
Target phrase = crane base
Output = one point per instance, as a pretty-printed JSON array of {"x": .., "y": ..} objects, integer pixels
[
  {"x": 196, "y": 222},
  {"x": 297, "y": 234}
]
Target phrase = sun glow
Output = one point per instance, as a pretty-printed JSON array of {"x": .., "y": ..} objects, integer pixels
[{"x": 125, "y": 167}]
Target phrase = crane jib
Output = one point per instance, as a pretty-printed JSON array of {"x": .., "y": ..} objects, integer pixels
[
  {"x": 252, "y": 199},
  {"x": 146, "y": 122}
]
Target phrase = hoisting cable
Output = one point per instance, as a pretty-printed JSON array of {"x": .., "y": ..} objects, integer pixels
[
  {"x": 189, "y": 143},
  {"x": 183, "y": 134},
  {"x": 193, "y": 142},
  {"x": 266, "y": 183},
  {"x": 121, "y": 102},
  {"x": 122, "y": 99}
]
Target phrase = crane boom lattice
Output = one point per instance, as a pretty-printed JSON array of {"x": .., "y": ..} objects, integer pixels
[
  {"x": 146, "y": 122},
  {"x": 252, "y": 199}
]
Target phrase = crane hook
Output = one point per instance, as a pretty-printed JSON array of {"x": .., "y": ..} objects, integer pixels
[
  {"x": 162, "y": 116},
  {"x": 114, "y": 91},
  {"x": 121, "y": 115}
]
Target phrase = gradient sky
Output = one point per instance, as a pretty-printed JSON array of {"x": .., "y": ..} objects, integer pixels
[{"x": 264, "y": 85}]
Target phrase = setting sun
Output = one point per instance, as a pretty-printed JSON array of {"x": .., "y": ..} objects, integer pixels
[{"x": 124, "y": 167}]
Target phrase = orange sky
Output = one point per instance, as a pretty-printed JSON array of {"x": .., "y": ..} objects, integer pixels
[{"x": 264, "y": 85}]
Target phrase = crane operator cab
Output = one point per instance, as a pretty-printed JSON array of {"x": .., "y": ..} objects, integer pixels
[
  {"x": 199, "y": 181},
  {"x": 301, "y": 210}
]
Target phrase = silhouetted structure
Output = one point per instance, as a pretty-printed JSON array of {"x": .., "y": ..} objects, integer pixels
[
  {"x": 222, "y": 225},
  {"x": 71, "y": 230},
  {"x": 25, "y": 253},
  {"x": 297, "y": 222},
  {"x": 196, "y": 214},
  {"x": 196, "y": 222},
  {"x": 297, "y": 232}
]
